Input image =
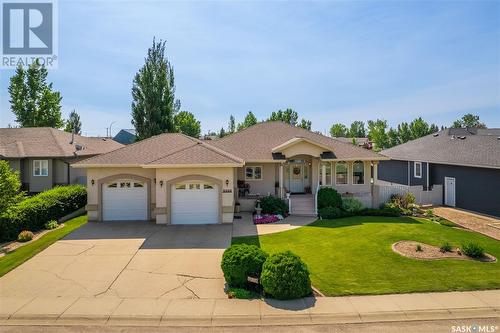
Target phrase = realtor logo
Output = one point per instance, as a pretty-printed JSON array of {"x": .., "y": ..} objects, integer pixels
[{"x": 28, "y": 33}]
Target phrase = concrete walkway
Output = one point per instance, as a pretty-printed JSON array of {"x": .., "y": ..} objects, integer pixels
[
  {"x": 245, "y": 226},
  {"x": 485, "y": 225},
  {"x": 231, "y": 312}
]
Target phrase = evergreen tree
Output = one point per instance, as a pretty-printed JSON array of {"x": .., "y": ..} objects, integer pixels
[
  {"x": 288, "y": 116},
  {"x": 153, "y": 95},
  {"x": 305, "y": 124},
  {"x": 249, "y": 120},
  {"x": 73, "y": 124},
  {"x": 222, "y": 132},
  {"x": 232, "y": 124},
  {"x": 32, "y": 100}
]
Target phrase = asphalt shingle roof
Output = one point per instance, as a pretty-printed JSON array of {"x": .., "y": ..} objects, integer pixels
[
  {"x": 452, "y": 146},
  {"x": 50, "y": 142}
]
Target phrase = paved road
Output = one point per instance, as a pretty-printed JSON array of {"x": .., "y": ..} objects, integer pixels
[{"x": 436, "y": 326}]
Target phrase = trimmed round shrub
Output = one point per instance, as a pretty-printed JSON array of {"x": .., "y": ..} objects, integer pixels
[
  {"x": 329, "y": 213},
  {"x": 51, "y": 225},
  {"x": 328, "y": 197},
  {"x": 273, "y": 205},
  {"x": 25, "y": 236},
  {"x": 473, "y": 250},
  {"x": 352, "y": 205},
  {"x": 285, "y": 276},
  {"x": 240, "y": 261}
]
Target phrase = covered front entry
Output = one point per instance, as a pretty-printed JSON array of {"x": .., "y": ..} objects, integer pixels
[
  {"x": 125, "y": 199},
  {"x": 194, "y": 202},
  {"x": 297, "y": 176}
]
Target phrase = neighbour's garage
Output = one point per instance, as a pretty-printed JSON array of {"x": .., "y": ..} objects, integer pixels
[
  {"x": 194, "y": 202},
  {"x": 125, "y": 199}
]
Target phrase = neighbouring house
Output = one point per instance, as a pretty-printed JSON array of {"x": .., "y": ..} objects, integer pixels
[
  {"x": 125, "y": 136},
  {"x": 175, "y": 179},
  {"x": 465, "y": 162},
  {"x": 361, "y": 142},
  {"x": 43, "y": 155}
]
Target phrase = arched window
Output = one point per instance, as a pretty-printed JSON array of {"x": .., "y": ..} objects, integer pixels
[
  {"x": 358, "y": 172},
  {"x": 341, "y": 173}
]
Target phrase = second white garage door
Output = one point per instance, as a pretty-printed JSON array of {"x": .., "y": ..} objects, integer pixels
[{"x": 194, "y": 203}]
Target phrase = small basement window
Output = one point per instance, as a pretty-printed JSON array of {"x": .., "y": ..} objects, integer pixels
[
  {"x": 417, "y": 169},
  {"x": 113, "y": 185}
]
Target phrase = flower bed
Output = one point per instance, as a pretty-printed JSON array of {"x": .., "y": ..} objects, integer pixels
[
  {"x": 428, "y": 252},
  {"x": 267, "y": 218}
]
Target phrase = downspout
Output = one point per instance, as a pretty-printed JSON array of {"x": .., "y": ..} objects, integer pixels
[
  {"x": 427, "y": 176},
  {"x": 408, "y": 173}
]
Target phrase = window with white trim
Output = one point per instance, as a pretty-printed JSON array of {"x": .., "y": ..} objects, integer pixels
[
  {"x": 358, "y": 173},
  {"x": 40, "y": 168},
  {"x": 417, "y": 169},
  {"x": 341, "y": 173},
  {"x": 253, "y": 173}
]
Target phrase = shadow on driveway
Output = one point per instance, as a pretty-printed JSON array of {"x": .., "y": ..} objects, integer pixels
[{"x": 158, "y": 236}]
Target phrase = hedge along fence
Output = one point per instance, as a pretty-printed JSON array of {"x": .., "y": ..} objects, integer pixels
[{"x": 33, "y": 212}]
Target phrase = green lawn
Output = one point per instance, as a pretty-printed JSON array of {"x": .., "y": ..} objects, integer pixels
[
  {"x": 353, "y": 256},
  {"x": 20, "y": 255}
]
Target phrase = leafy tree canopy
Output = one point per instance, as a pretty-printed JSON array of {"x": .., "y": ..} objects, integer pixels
[
  {"x": 249, "y": 120},
  {"x": 32, "y": 99},
  {"x": 338, "y": 131},
  {"x": 469, "y": 120},
  {"x": 186, "y": 123},
  {"x": 377, "y": 133},
  {"x": 357, "y": 129},
  {"x": 10, "y": 186}
]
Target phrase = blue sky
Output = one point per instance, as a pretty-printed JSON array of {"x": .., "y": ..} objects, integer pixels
[{"x": 329, "y": 61}]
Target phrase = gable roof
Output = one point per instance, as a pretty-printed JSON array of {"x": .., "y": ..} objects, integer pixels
[
  {"x": 165, "y": 150},
  {"x": 256, "y": 143},
  {"x": 455, "y": 146},
  {"x": 50, "y": 142}
]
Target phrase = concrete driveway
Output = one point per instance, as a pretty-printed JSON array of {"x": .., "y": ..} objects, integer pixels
[{"x": 126, "y": 260}]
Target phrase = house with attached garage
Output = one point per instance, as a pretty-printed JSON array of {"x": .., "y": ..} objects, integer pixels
[
  {"x": 175, "y": 179},
  {"x": 43, "y": 155},
  {"x": 465, "y": 162}
]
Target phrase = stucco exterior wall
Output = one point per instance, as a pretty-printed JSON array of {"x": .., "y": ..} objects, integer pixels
[
  {"x": 170, "y": 174},
  {"x": 60, "y": 172},
  {"x": 303, "y": 148},
  {"x": 265, "y": 185}
]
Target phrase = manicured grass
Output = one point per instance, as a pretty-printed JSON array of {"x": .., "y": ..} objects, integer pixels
[
  {"x": 354, "y": 256},
  {"x": 15, "y": 258}
]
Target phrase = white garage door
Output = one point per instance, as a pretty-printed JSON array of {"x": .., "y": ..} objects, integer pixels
[
  {"x": 194, "y": 203},
  {"x": 124, "y": 200}
]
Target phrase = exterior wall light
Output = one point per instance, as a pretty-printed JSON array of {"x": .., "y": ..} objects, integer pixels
[
  {"x": 92, "y": 182},
  {"x": 227, "y": 182},
  {"x": 161, "y": 183}
]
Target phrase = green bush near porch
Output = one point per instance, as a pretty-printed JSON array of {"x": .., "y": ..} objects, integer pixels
[
  {"x": 273, "y": 205},
  {"x": 329, "y": 197}
]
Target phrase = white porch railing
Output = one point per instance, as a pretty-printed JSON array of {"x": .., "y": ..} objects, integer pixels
[{"x": 316, "y": 199}]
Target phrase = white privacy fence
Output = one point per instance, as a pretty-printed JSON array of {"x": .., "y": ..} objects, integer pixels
[{"x": 383, "y": 193}]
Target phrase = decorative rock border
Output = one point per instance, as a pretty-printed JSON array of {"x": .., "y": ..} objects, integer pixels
[{"x": 407, "y": 248}]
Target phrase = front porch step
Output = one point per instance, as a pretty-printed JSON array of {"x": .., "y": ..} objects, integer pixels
[{"x": 302, "y": 205}]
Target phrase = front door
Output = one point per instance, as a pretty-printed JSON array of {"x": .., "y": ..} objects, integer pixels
[
  {"x": 297, "y": 178},
  {"x": 449, "y": 191}
]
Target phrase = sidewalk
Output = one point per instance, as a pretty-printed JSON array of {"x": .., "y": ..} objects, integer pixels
[{"x": 231, "y": 312}]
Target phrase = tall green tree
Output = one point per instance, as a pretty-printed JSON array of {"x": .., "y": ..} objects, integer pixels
[
  {"x": 377, "y": 133},
  {"x": 222, "y": 132},
  {"x": 469, "y": 120},
  {"x": 186, "y": 123},
  {"x": 404, "y": 132},
  {"x": 338, "y": 131},
  {"x": 10, "y": 186},
  {"x": 232, "y": 124},
  {"x": 419, "y": 128},
  {"x": 249, "y": 120},
  {"x": 357, "y": 129},
  {"x": 153, "y": 95},
  {"x": 32, "y": 99},
  {"x": 305, "y": 124},
  {"x": 393, "y": 137},
  {"x": 288, "y": 116},
  {"x": 73, "y": 124}
]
